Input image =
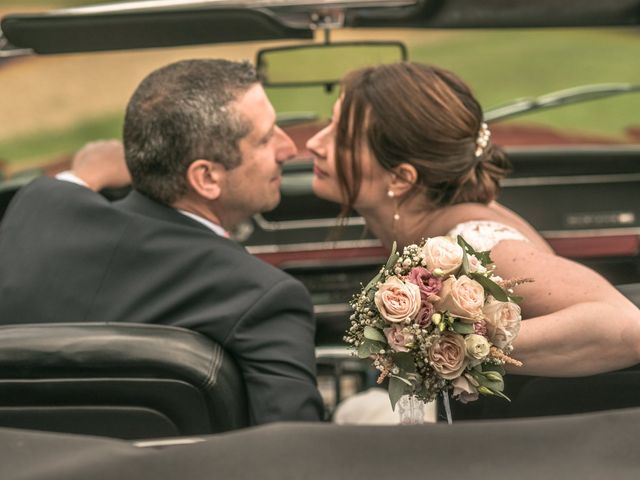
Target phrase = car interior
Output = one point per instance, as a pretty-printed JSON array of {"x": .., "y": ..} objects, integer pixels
[{"x": 88, "y": 379}]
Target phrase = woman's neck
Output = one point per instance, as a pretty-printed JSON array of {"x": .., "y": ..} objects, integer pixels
[{"x": 415, "y": 221}]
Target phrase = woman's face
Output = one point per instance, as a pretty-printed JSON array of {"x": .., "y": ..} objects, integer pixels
[{"x": 325, "y": 184}]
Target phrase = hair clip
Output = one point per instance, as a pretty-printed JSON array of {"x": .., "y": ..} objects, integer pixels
[{"x": 483, "y": 139}]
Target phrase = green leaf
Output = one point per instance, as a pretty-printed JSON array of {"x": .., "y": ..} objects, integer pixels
[
  {"x": 463, "y": 328},
  {"x": 398, "y": 388},
  {"x": 392, "y": 258},
  {"x": 516, "y": 298},
  {"x": 484, "y": 257},
  {"x": 465, "y": 246},
  {"x": 404, "y": 361},
  {"x": 493, "y": 288},
  {"x": 374, "y": 334},
  {"x": 372, "y": 282},
  {"x": 465, "y": 263},
  {"x": 496, "y": 385},
  {"x": 493, "y": 368},
  {"x": 368, "y": 348}
]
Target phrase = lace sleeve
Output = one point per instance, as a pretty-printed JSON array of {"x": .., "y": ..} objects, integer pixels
[{"x": 484, "y": 235}]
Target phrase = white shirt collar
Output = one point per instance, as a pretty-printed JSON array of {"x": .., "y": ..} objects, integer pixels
[{"x": 217, "y": 229}]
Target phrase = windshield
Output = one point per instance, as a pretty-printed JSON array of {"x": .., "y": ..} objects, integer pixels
[{"x": 54, "y": 104}]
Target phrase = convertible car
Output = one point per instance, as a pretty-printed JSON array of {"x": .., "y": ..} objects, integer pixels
[{"x": 562, "y": 94}]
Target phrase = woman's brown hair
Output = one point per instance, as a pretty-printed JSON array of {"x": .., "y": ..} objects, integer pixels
[{"x": 422, "y": 115}]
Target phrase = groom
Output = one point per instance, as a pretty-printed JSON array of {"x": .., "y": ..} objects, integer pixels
[{"x": 204, "y": 154}]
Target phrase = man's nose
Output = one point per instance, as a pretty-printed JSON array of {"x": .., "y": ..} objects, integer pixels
[{"x": 286, "y": 147}]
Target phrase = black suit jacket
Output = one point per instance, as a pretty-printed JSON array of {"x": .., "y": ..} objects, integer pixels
[{"x": 67, "y": 254}]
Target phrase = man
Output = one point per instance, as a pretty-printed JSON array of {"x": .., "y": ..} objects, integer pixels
[{"x": 204, "y": 154}]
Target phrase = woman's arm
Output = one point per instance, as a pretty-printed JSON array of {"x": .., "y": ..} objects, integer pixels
[{"x": 576, "y": 323}]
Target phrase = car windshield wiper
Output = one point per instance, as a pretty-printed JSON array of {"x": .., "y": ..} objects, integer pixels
[{"x": 583, "y": 93}]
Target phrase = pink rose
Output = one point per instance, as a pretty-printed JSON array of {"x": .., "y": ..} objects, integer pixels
[
  {"x": 398, "y": 340},
  {"x": 428, "y": 284},
  {"x": 442, "y": 253},
  {"x": 502, "y": 320},
  {"x": 447, "y": 355},
  {"x": 464, "y": 388},
  {"x": 462, "y": 297},
  {"x": 397, "y": 301},
  {"x": 423, "y": 318}
]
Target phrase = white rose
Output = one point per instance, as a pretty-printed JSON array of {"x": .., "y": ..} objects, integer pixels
[
  {"x": 477, "y": 348},
  {"x": 442, "y": 253}
]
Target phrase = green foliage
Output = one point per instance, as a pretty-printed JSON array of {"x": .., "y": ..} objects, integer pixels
[
  {"x": 493, "y": 288},
  {"x": 369, "y": 347},
  {"x": 49, "y": 144},
  {"x": 374, "y": 334},
  {"x": 462, "y": 328},
  {"x": 397, "y": 388}
]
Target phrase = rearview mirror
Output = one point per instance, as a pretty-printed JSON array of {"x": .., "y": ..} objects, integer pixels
[{"x": 322, "y": 64}]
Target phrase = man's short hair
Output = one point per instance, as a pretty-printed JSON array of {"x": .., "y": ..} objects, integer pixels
[{"x": 180, "y": 113}]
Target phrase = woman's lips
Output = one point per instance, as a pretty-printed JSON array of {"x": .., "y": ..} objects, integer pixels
[{"x": 319, "y": 172}]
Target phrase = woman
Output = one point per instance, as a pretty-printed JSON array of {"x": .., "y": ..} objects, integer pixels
[{"x": 408, "y": 150}]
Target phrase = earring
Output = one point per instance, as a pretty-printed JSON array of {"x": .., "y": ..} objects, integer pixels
[{"x": 396, "y": 215}]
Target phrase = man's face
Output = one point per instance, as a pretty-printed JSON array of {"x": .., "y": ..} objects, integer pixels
[{"x": 254, "y": 186}]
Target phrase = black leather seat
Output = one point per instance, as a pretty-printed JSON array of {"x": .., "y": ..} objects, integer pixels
[{"x": 118, "y": 380}]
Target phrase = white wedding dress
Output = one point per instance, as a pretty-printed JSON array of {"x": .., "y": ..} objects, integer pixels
[{"x": 372, "y": 407}]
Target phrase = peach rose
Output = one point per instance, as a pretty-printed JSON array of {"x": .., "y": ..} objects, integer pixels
[
  {"x": 502, "y": 320},
  {"x": 462, "y": 297},
  {"x": 464, "y": 388},
  {"x": 442, "y": 253},
  {"x": 447, "y": 355},
  {"x": 398, "y": 340},
  {"x": 397, "y": 301}
]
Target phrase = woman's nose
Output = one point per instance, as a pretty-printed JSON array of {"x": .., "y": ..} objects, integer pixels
[{"x": 317, "y": 143}]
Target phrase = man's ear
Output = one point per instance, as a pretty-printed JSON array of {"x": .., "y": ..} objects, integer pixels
[
  {"x": 205, "y": 177},
  {"x": 403, "y": 179}
]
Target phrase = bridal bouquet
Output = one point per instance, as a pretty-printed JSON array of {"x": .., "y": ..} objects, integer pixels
[{"x": 436, "y": 319}]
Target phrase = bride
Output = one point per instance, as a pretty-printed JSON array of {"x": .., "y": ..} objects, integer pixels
[{"x": 408, "y": 150}]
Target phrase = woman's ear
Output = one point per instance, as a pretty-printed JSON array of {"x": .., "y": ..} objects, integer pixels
[
  {"x": 403, "y": 179},
  {"x": 204, "y": 177}
]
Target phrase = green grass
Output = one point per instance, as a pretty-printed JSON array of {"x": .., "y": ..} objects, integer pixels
[
  {"x": 504, "y": 65},
  {"x": 499, "y": 65},
  {"x": 50, "y": 144}
]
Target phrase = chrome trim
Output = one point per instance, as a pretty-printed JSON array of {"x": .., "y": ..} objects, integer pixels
[
  {"x": 601, "y": 232},
  {"x": 268, "y": 226},
  {"x": 334, "y": 352},
  {"x": 303, "y": 247},
  {"x": 327, "y": 308},
  {"x": 167, "y": 442},
  {"x": 571, "y": 180},
  {"x": 150, "y": 5}
]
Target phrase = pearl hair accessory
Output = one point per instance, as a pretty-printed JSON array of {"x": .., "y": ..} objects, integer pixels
[{"x": 483, "y": 139}]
